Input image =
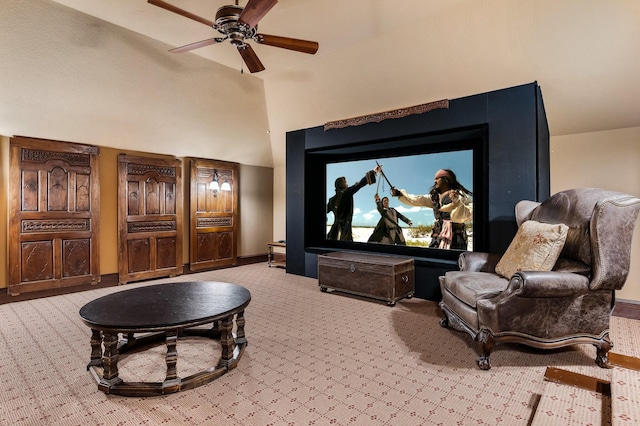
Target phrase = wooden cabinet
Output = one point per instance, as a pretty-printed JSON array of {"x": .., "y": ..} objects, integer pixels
[
  {"x": 386, "y": 278},
  {"x": 149, "y": 217},
  {"x": 213, "y": 208},
  {"x": 53, "y": 215}
]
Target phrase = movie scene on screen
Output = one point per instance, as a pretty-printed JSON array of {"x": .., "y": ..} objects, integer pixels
[{"x": 423, "y": 200}]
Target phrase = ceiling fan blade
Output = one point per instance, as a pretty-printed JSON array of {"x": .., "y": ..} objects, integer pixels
[
  {"x": 174, "y": 9},
  {"x": 255, "y": 10},
  {"x": 196, "y": 45},
  {"x": 298, "y": 45},
  {"x": 250, "y": 58}
]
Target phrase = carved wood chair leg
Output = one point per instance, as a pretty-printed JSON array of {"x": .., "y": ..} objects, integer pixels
[
  {"x": 444, "y": 322},
  {"x": 483, "y": 362},
  {"x": 486, "y": 346},
  {"x": 602, "y": 352}
]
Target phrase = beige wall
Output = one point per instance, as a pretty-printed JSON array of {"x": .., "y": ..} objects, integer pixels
[
  {"x": 610, "y": 160},
  {"x": 80, "y": 79},
  {"x": 256, "y": 210},
  {"x": 108, "y": 169},
  {"x": 255, "y": 205}
]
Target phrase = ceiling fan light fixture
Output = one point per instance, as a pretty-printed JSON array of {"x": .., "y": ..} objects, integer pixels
[
  {"x": 237, "y": 39},
  {"x": 238, "y": 24},
  {"x": 228, "y": 15}
]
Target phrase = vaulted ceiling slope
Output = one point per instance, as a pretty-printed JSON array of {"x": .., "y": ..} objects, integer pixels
[
  {"x": 375, "y": 55},
  {"x": 70, "y": 76}
]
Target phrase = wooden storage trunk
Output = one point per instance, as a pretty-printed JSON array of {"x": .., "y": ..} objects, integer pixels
[{"x": 380, "y": 277}]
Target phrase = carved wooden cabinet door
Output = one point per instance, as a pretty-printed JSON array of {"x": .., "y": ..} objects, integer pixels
[
  {"x": 214, "y": 214},
  {"x": 149, "y": 217},
  {"x": 53, "y": 209}
]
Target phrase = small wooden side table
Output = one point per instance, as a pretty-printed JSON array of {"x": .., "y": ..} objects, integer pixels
[{"x": 281, "y": 260}]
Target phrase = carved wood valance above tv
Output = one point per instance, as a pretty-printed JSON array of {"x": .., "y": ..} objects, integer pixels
[{"x": 506, "y": 134}]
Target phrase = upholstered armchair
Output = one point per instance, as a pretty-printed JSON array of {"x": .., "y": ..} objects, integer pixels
[{"x": 555, "y": 285}]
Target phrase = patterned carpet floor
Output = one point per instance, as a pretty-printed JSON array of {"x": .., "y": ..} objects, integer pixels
[{"x": 313, "y": 359}]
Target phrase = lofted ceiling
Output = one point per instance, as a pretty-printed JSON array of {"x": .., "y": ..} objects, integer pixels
[
  {"x": 377, "y": 55},
  {"x": 337, "y": 24}
]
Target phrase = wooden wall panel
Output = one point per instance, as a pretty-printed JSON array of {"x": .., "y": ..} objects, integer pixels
[
  {"x": 37, "y": 261},
  {"x": 213, "y": 215},
  {"x": 54, "y": 215},
  {"x": 149, "y": 217},
  {"x": 75, "y": 255}
]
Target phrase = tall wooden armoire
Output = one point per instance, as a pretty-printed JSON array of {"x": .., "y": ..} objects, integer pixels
[
  {"x": 54, "y": 215},
  {"x": 149, "y": 217},
  {"x": 214, "y": 214}
]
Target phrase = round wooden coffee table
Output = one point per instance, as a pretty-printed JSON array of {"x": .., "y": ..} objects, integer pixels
[{"x": 164, "y": 312}]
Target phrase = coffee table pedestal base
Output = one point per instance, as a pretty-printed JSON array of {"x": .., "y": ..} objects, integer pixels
[{"x": 104, "y": 369}]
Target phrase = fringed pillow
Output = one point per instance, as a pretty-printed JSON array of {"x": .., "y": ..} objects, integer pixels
[{"x": 535, "y": 247}]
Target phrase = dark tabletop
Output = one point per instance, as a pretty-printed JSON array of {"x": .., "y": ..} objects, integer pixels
[{"x": 165, "y": 305}]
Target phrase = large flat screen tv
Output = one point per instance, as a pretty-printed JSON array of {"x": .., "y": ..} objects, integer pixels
[{"x": 408, "y": 164}]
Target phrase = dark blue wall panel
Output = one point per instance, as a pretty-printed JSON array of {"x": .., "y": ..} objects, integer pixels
[{"x": 516, "y": 156}]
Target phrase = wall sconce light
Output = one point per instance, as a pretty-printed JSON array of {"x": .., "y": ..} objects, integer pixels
[{"x": 215, "y": 184}]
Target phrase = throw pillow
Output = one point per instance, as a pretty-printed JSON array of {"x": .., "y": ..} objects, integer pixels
[{"x": 535, "y": 247}]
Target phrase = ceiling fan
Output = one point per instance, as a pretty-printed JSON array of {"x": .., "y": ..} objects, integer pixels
[{"x": 238, "y": 25}]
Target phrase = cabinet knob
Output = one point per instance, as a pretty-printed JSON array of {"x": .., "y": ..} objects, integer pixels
[
  {"x": 352, "y": 267},
  {"x": 405, "y": 279}
]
